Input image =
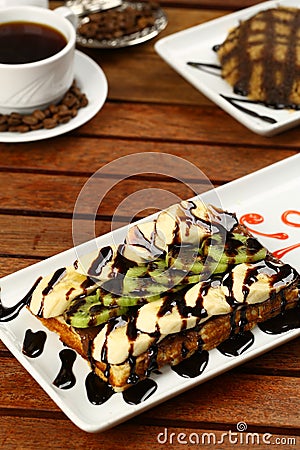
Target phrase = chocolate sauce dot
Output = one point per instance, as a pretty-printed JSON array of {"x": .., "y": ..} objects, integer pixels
[
  {"x": 286, "y": 321},
  {"x": 140, "y": 392},
  {"x": 34, "y": 342},
  {"x": 236, "y": 344},
  {"x": 192, "y": 366},
  {"x": 65, "y": 378},
  {"x": 98, "y": 391}
]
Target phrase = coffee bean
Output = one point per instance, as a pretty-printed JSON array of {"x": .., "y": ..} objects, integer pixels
[
  {"x": 52, "y": 109},
  {"x": 48, "y": 118},
  {"x": 62, "y": 114},
  {"x": 3, "y": 119},
  {"x": 19, "y": 128},
  {"x": 65, "y": 119},
  {"x": 69, "y": 100},
  {"x": 50, "y": 123},
  {"x": 118, "y": 22},
  {"x": 47, "y": 112},
  {"x": 38, "y": 126},
  {"x": 14, "y": 119},
  {"x": 62, "y": 107},
  {"x": 84, "y": 101},
  {"x": 74, "y": 112},
  {"x": 38, "y": 114},
  {"x": 30, "y": 120}
]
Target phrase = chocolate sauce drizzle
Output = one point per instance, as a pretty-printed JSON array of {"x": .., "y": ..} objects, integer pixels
[
  {"x": 56, "y": 277},
  {"x": 58, "y": 274},
  {"x": 34, "y": 342},
  {"x": 104, "y": 256},
  {"x": 212, "y": 69},
  {"x": 119, "y": 265},
  {"x": 9, "y": 313},
  {"x": 285, "y": 321},
  {"x": 65, "y": 378},
  {"x": 235, "y": 101},
  {"x": 240, "y": 340}
]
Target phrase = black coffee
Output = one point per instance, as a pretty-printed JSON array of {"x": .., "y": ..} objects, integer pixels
[{"x": 26, "y": 42}]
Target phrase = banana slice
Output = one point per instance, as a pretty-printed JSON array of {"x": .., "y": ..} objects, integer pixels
[{"x": 55, "y": 292}]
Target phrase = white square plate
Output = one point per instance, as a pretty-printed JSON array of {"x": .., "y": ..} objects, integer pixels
[
  {"x": 270, "y": 193},
  {"x": 196, "y": 44}
]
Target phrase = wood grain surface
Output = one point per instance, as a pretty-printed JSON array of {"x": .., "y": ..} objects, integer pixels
[{"x": 149, "y": 108}]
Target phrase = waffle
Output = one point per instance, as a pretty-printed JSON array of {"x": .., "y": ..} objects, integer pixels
[{"x": 247, "y": 286}]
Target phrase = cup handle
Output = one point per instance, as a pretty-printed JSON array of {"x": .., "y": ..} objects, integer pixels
[{"x": 68, "y": 14}]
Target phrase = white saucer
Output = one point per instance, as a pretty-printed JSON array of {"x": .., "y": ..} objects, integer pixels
[{"x": 92, "y": 82}]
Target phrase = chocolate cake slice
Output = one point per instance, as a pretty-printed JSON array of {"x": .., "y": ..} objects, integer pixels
[
  {"x": 179, "y": 284},
  {"x": 260, "y": 58}
]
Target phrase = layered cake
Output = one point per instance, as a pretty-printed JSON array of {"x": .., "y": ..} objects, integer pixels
[
  {"x": 178, "y": 284},
  {"x": 260, "y": 58}
]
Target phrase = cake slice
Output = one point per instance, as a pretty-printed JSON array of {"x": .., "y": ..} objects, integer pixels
[
  {"x": 260, "y": 58},
  {"x": 183, "y": 282}
]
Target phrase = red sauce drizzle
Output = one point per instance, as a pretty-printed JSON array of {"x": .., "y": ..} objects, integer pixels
[
  {"x": 285, "y": 219},
  {"x": 254, "y": 219},
  {"x": 280, "y": 253}
]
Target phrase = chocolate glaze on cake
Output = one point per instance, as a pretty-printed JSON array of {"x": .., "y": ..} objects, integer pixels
[{"x": 261, "y": 58}]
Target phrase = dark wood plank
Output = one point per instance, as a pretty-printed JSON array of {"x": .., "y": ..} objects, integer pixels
[
  {"x": 224, "y": 400},
  {"x": 234, "y": 396},
  {"x": 23, "y": 237},
  {"x": 10, "y": 265},
  {"x": 29, "y": 434},
  {"x": 284, "y": 360},
  {"x": 185, "y": 124},
  {"x": 218, "y": 161},
  {"x": 43, "y": 194}
]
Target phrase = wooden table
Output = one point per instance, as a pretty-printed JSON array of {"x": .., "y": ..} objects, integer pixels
[{"x": 149, "y": 108}]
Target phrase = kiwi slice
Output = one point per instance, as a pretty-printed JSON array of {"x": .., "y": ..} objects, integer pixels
[
  {"x": 88, "y": 311},
  {"x": 237, "y": 249},
  {"x": 145, "y": 283}
]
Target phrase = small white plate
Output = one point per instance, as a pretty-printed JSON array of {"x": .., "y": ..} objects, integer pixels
[
  {"x": 196, "y": 44},
  {"x": 272, "y": 193},
  {"x": 92, "y": 82}
]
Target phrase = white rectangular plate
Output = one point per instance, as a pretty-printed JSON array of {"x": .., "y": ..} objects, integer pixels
[
  {"x": 270, "y": 192},
  {"x": 196, "y": 44}
]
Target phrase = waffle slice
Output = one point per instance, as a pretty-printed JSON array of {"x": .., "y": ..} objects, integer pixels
[{"x": 183, "y": 282}]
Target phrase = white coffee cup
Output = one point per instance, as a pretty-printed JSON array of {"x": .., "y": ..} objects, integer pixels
[{"x": 35, "y": 85}]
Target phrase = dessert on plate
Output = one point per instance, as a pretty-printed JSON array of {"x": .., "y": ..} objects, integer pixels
[
  {"x": 182, "y": 282},
  {"x": 260, "y": 57}
]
